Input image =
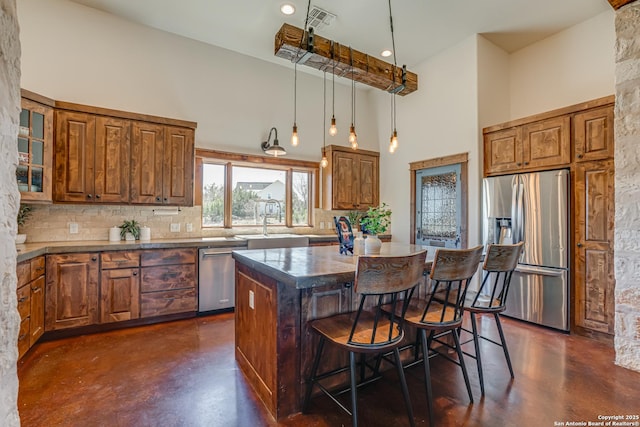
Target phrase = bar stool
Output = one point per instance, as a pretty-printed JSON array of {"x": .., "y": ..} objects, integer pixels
[
  {"x": 379, "y": 279},
  {"x": 499, "y": 263},
  {"x": 436, "y": 318}
]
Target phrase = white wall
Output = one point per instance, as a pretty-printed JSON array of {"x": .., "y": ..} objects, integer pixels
[
  {"x": 439, "y": 119},
  {"x": 74, "y": 53},
  {"x": 567, "y": 68}
]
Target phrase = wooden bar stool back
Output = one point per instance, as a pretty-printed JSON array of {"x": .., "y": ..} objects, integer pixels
[
  {"x": 499, "y": 263},
  {"x": 367, "y": 330},
  {"x": 436, "y": 318}
]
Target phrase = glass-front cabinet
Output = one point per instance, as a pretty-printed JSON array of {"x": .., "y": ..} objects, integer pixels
[{"x": 35, "y": 145}]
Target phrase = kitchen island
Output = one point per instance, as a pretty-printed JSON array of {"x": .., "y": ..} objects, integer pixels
[{"x": 277, "y": 292}]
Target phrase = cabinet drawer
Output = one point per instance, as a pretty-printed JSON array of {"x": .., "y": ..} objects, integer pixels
[
  {"x": 23, "y": 271},
  {"x": 164, "y": 278},
  {"x": 24, "y": 301},
  {"x": 168, "y": 256},
  {"x": 161, "y": 303},
  {"x": 37, "y": 267},
  {"x": 111, "y": 260},
  {"x": 23, "y": 337}
]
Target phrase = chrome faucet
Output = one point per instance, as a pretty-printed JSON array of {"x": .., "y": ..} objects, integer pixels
[{"x": 264, "y": 224}]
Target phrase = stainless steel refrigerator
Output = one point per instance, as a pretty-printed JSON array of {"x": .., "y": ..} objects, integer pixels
[{"x": 533, "y": 208}]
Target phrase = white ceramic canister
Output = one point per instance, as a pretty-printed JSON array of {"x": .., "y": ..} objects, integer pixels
[
  {"x": 114, "y": 234},
  {"x": 145, "y": 234}
]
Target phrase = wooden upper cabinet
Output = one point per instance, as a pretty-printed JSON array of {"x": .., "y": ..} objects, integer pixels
[
  {"x": 35, "y": 151},
  {"x": 147, "y": 163},
  {"x": 593, "y": 134},
  {"x": 503, "y": 151},
  {"x": 351, "y": 180},
  {"x": 92, "y": 158},
  {"x": 177, "y": 185},
  {"x": 162, "y": 160},
  {"x": 547, "y": 143},
  {"x": 594, "y": 275}
]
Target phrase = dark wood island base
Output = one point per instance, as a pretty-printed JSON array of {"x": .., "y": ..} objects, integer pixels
[{"x": 277, "y": 292}]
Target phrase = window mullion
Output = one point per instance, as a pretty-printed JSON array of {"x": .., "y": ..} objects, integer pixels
[
  {"x": 228, "y": 199},
  {"x": 289, "y": 199}
]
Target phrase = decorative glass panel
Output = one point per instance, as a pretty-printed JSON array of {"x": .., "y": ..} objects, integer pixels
[
  {"x": 37, "y": 152},
  {"x": 439, "y": 206},
  {"x": 37, "y": 129}
]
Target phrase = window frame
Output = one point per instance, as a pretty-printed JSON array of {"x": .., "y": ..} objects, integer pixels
[{"x": 229, "y": 160}]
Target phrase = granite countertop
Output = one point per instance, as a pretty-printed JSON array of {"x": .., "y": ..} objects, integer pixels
[
  {"x": 28, "y": 251},
  {"x": 313, "y": 266}
]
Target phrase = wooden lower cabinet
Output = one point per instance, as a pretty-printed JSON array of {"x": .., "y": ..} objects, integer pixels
[
  {"x": 119, "y": 286},
  {"x": 30, "y": 295},
  {"x": 90, "y": 288},
  {"x": 72, "y": 290},
  {"x": 594, "y": 270},
  {"x": 169, "y": 282}
]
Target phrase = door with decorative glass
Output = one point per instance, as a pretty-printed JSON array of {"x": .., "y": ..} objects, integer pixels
[
  {"x": 35, "y": 138},
  {"x": 439, "y": 206}
]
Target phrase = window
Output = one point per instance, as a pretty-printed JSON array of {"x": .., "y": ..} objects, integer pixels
[{"x": 238, "y": 192}]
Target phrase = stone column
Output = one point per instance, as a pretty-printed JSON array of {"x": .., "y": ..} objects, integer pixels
[
  {"x": 9, "y": 201},
  {"x": 627, "y": 182}
]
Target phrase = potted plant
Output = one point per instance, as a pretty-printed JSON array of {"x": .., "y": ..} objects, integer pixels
[
  {"x": 354, "y": 219},
  {"x": 24, "y": 212},
  {"x": 376, "y": 221},
  {"x": 130, "y": 230}
]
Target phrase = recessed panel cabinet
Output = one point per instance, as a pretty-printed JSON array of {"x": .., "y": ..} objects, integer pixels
[
  {"x": 30, "y": 295},
  {"x": 351, "y": 180},
  {"x": 92, "y": 158}
]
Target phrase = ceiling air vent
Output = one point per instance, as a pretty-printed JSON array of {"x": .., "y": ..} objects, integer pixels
[{"x": 320, "y": 18}]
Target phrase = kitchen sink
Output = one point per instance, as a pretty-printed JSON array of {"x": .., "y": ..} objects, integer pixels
[{"x": 260, "y": 241}]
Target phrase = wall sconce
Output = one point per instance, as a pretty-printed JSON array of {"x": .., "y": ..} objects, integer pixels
[{"x": 274, "y": 150}]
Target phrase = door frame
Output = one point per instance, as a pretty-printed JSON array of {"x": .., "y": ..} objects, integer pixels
[{"x": 463, "y": 160}]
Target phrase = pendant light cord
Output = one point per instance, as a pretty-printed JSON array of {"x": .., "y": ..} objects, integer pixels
[
  {"x": 395, "y": 65},
  {"x": 324, "y": 108}
]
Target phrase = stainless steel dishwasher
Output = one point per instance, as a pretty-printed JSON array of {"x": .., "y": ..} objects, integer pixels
[{"x": 216, "y": 279}]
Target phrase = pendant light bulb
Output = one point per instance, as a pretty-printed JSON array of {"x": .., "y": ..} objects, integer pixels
[
  {"x": 333, "y": 130},
  {"x": 294, "y": 136},
  {"x": 324, "y": 162},
  {"x": 394, "y": 139},
  {"x": 353, "y": 138}
]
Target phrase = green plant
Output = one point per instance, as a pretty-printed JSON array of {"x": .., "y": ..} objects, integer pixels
[
  {"x": 354, "y": 218},
  {"x": 131, "y": 226},
  {"x": 24, "y": 212},
  {"x": 377, "y": 219}
]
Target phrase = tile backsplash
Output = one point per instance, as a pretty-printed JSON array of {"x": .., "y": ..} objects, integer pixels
[{"x": 51, "y": 223}]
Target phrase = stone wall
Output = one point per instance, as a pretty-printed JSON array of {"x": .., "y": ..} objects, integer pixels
[
  {"x": 9, "y": 200},
  {"x": 627, "y": 162}
]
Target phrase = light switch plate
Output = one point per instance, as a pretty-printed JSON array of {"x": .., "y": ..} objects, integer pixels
[
  {"x": 321, "y": 225},
  {"x": 189, "y": 227},
  {"x": 175, "y": 228},
  {"x": 73, "y": 228}
]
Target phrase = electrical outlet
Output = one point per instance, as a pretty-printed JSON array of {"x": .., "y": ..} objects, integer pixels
[
  {"x": 73, "y": 228},
  {"x": 329, "y": 225},
  {"x": 189, "y": 227},
  {"x": 321, "y": 225},
  {"x": 251, "y": 300},
  {"x": 175, "y": 228}
]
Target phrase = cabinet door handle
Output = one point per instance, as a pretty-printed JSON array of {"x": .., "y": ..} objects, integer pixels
[
  {"x": 165, "y": 199},
  {"x": 518, "y": 164},
  {"x": 97, "y": 196},
  {"x": 94, "y": 258},
  {"x": 89, "y": 196},
  {"x": 526, "y": 163},
  {"x": 157, "y": 199},
  {"x": 21, "y": 337},
  {"x": 135, "y": 273},
  {"x": 39, "y": 268},
  {"x": 579, "y": 156},
  {"x": 36, "y": 289},
  {"x": 23, "y": 299},
  {"x": 579, "y": 245}
]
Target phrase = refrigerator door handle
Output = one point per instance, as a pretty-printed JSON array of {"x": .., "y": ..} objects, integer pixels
[{"x": 543, "y": 271}]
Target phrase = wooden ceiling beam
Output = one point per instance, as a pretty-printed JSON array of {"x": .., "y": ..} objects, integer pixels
[
  {"x": 333, "y": 57},
  {"x": 617, "y": 4}
]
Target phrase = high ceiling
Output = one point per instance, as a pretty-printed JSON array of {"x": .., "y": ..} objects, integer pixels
[{"x": 422, "y": 27}]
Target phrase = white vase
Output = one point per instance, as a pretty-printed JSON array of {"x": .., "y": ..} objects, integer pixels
[
  {"x": 129, "y": 237},
  {"x": 20, "y": 238},
  {"x": 372, "y": 245}
]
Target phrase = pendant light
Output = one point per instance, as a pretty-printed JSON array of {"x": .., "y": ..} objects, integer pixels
[
  {"x": 353, "y": 137},
  {"x": 294, "y": 133},
  {"x": 333, "y": 130},
  {"x": 324, "y": 162},
  {"x": 393, "y": 140}
]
